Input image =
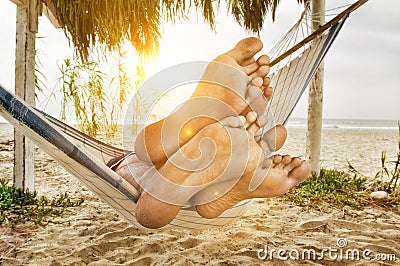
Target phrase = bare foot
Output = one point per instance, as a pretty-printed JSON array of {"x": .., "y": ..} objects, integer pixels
[
  {"x": 231, "y": 83},
  {"x": 279, "y": 175},
  {"x": 165, "y": 190},
  {"x": 231, "y": 153},
  {"x": 240, "y": 77}
]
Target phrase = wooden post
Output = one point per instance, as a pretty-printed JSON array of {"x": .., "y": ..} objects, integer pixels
[
  {"x": 315, "y": 98},
  {"x": 27, "y": 19}
]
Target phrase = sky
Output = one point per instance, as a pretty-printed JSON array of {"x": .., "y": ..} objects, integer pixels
[{"x": 362, "y": 69}]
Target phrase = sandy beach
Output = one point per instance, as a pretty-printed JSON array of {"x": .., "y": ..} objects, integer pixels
[{"x": 93, "y": 234}]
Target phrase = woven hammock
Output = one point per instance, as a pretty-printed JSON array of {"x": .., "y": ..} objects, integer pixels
[{"x": 86, "y": 158}]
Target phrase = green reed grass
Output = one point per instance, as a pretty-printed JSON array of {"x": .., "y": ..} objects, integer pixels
[
  {"x": 98, "y": 99},
  {"x": 81, "y": 84},
  {"x": 40, "y": 78}
]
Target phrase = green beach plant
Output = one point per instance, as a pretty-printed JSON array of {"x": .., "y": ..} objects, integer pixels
[
  {"x": 388, "y": 178},
  {"x": 351, "y": 188},
  {"x": 333, "y": 187},
  {"x": 17, "y": 206}
]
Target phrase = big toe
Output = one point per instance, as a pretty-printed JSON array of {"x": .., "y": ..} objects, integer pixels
[
  {"x": 246, "y": 49},
  {"x": 275, "y": 137},
  {"x": 300, "y": 173}
]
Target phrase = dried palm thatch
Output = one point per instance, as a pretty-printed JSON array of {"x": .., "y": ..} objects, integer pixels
[{"x": 111, "y": 22}]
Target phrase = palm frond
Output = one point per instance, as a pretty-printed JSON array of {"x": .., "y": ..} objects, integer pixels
[{"x": 108, "y": 23}]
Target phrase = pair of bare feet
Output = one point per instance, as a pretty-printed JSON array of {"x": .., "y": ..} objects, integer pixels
[{"x": 214, "y": 156}]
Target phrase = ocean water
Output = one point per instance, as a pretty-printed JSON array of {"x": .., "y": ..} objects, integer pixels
[
  {"x": 332, "y": 123},
  {"x": 347, "y": 124}
]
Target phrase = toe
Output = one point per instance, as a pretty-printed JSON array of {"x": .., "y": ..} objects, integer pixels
[
  {"x": 268, "y": 92},
  {"x": 246, "y": 49},
  {"x": 300, "y": 173},
  {"x": 277, "y": 159},
  {"x": 275, "y": 137},
  {"x": 250, "y": 124},
  {"x": 266, "y": 83},
  {"x": 257, "y": 68},
  {"x": 251, "y": 68},
  {"x": 263, "y": 60},
  {"x": 286, "y": 160},
  {"x": 295, "y": 162},
  {"x": 257, "y": 81},
  {"x": 233, "y": 121},
  {"x": 262, "y": 71}
]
